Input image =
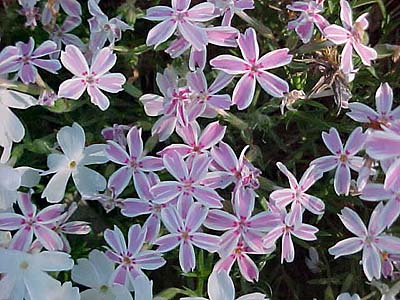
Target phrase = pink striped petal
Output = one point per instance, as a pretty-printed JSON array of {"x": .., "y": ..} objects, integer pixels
[
  {"x": 205, "y": 241},
  {"x": 353, "y": 222},
  {"x": 292, "y": 180},
  {"x": 104, "y": 60},
  {"x": 111, "y": 82},
  {"x": 136, "y": 237},
  {"x": 244, "y": 91},
  {"x": 207, "y": 196},
  {"x": 50, "y": 214},
  {"x": 161, "y": 32},
  {"x": 230, "y": 64},
  {"x": 287, "y": 248},
  {"x": 168, "y": 242},
  {"x": 305, "y": 232},
  {"x": 115, "y": 239},
  {"x": 346, "y": 247},
  {"x": 275, "y": 59},
  {"x": 22, "y": 239},
  {"x": 196, "y": 36},
  {"x": 176, "y": 166},
  {"x": 346, "y": 63},
  {"x": 211, "y": 135},
  {"x": 172, "y": 220},
  {"x": 116, "y": 153},
  {"x": 249, "y": 46},
  {"x": 272, "y": 84},
  {"x": 313, "y": 204},
  {"x": 135, "y": 207},
  {"x": 195, "y": 217},
  {"x": 384, "y": 98},
  {"x": 225, "y": 157},
  {"x": 187, "y": 259},
  {"x": 158, "y": 13},
  {"x": 135, "y": 143},
  {"x": 220, "y": 220},
  {"x": 392, "y": 180},
  {"x": 73, "y": 60},
  {"x": 72, "y": 88},
  {"x": 387, "y": 243},
  {"x": 11, "y": 221},
  {"x": 48, "y": 238},
  {"x": 97, "y": 97},
  {"x": 247, "y": 268},
  {"x": 325, "y": 163},
  {"x": 346, "y": 14},
  {"x": 165, "y": 191},
  {"x": 202, "y": 12},
  {"x": 361, "y": 112},
  {"x": 332, "y": 141},
  {"x": 367, "y": 54},
  {"x": 337, "y": 34},
  {"x": 371, "y": 262},
  {"x": 375, "y": 192}
]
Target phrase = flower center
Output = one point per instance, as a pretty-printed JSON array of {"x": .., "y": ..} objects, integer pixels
[
  {"x": 72, "y": 164},
  {"x": 127, "y": 260},
  {"x": 358, "y": 32},
  {"x": 103, "y": 289},
  {"x": 185, "y": 235},
  {"x": 24, "y": 265},
  {"x": 343, "y": 158}
]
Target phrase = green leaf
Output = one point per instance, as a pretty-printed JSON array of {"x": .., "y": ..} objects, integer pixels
[{"x": 132, "y": 90}]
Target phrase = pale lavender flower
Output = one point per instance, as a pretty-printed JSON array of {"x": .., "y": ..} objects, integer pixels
[
  {"x": 25, "y": 275},
  {"x": 73, "y": 162},
  {"x": 71, "y": 7},
  {"x": 180, "y": 18},
  {"x": 343, "y": 159},
  {"x": 228, "y": 8},
  {"x": 131, "y": 259},
  {"x": 116, "y": 133},
  {"x": 352, "y": 35},
  {"x": 32, "y": 223},
  {"x": 27, "y": 58},
  {"x": 371, "y": 241},
  {"x": 309, "y": 15},
  {"x": 184, "y": 232},
  {"x": 60, "y": 34},
  {"x": 31, "y": 12},
  {"x": 254, "y": 69},
  {"x": 93, "y": 79}
]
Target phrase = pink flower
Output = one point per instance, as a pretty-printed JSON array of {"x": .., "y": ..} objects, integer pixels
[
  {"x": 92, "y": 79},
  {"x": 33, "y": 222},
  {"x": 310, "y": 15},
  {"x": 131, "y": 259},
  {"x": 343, "y": 159},
  {"x": 180, "y": 18},
  {"x": 188, "y": 184},
  {"x": 371, "y": 241},
  {"x": 384, "y": 115},
  {"x": 135, "y": 163},
  {"x": 25, "y": 60},
  {"x": 116, "y": 133},
  {"x": 227, "y": 9},
  {"x": 247, "y": 267},
  {"x": 196, "y": 143},
  {"x": 253, "y": 69},
  {"x": 242, "y": 225},
  {"x": 351, "y": 34},
  {"x": 296, "y": 194},
  {"x": 183, "y": 232},
  {"x": 290, "y": 224}
]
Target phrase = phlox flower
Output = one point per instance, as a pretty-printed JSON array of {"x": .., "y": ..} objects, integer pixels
[
  {"x": 230, "y": 169},
  {"x": 384, "y": 146},
  {"x": 347, "y": 296},
  {"x": 60, "y": 34},
  {"x": 103, "y": 29},
  {"x": 109, "y": 199},
  {"x": 11, "y": 128},
  {"x": 228, "y": 8},
  {"x": 352, "y": 35},
  {"x": 384, "y": 115},
  {"x": 31, "y": 12},
  {"x": 184, "y": 232},
  {"x": 312, "y": 262},
  {"x": 247, "y": 267},
  {"x": 290, "y": 224},
  {"x": 32, "y": 222},
  {"x": 197, "y": 142},
  {"x": 207, "y": 102},
  {"x": 131, "y": 259},
  {"x": 188, "y": 183},
  {"x": 179, "y": 17},
  {"x": 135, "y": 163},
  {"x": 371, "y": 241},
  {"x": 95, "y": 273},
  {"x": 47, "y": 97},
  {"x": 116, "y": 133},
  {"x": 25, "y": 277},
  {"x": 343, "y": 159},
  {"x": 132, "y": 207},
  {"x": 253, "y": 68},
  {"x": 377, "y": 192},
  {"x": 73, "y": 162},
  {"x": 309, "y": 15},
  {"x": 26, "y": 58},
  {"x": 11, "y": 180},
  {"x": 51, "y": 9},
  {"x": 66, "y": 291},
  {"x": 241, "y": 225},
  {"x": 296, "y": 194},
  {"x": 220, "y": 287},
  {"x": 93, "y": 79}
]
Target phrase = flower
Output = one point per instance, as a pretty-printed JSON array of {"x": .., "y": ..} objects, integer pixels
[
  {"x": 102, "y": 29},
  {"x": 296, "y": 194},
  {"x": 228, "y": 8},
  {"x": 31, "y": 12},
  {"x": 384, "y": 115},
  {"x": 32, "y": 222},
  {"x": 131, "y": 259},
  {"x": 351, "y": 34},
  {"x": 135, "y": 164},
  {"x": 180, "y": 18},
  {"x": 11, "y": 130},
  {"x": 343, "y": 158},
  {"x": 116, "y": 133},
  {"x": 183, "y": 232},
  {"x": 241, "y": 225},
  {"x": 371, "y": 241},
  {"x": 188, "y": 184},
  {"x": 26, "y": 59},
  {"x": 66, "y": 291},
  {"x": 92, "y": 79},
  {"x": 60, "y": 34},
  {"x": 95, "y": 273},
  {"x": 51, "y": 9},
  {"x": 25, "y": 274},
  {"x": 253, "y": 69},
  {"x": 220, "y": 287},
  {"x": 347, "y": 296},
  {"x": 310, "y": 15},
  {"x": 73, "y": 162},
  {"x": 290, "y": 224}
]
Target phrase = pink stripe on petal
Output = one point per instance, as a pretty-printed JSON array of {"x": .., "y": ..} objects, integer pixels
[
  {"x": 346, "y": 247},
  {"x": 97, "y": 97},
  {"x": 187, "y": 259},
  {"x": 275, "y": 59},
  {"x": 11, "y": 221},
  {"x": 248, "y": 268},
  {"x": 167, "y": 242},
  {"x": 206, "y": 241},
  {"x": 72, "y": 88},
  {"x": 272, "y": 84},
  {"x": 392, "y": 180},
  {"x": 346, "y": 62},
  {"x": 172, "y": 220},
  {"x": 196, "y": 36},
  {"x": 195, "y": 217},
  {"x": 332, "y": 141},
  {"x": 161, "y": 32},
  {"x": 166, "y": 191},
  {"x": 346, "y": 14},
  {"x": 249, "y": 46},
  {"x": 313, "y": 204},
  {"x": 111, "y": 82},
  {"x": 371, "y": 262},
  {"x": 50, "y": 214},
  {"x": 384, "y": 98},
  {"x": 305, "y": 232},
  {"x": 136, "y": 237},
  {"x": 135, "y": 207},
  {"x": 355, "y": 141},
  {"x": 230, "y": 64},
  {"x": 367, "y": 54},
  {"x": 119, "y": 180},
  {"x": 207, "y": 196},
  {"x": 202, "y": 12},
  {"x": 116, "y": 153},
  {"x": 220, "y": 220},
  {"x": 361, "y": 113},
  {"x": 25, "y": 204},
  {"x": 244, "y": 91},
  {"x": 135, "y": 143},
  {"x": 212, "y": 135},
  {"x": 48, "y": 238},
  {"x": 353, "y": 222},
  {"x": 287, "y": 248},
  {"x": 104, "y": 60},
  {"x": 73, "y": 60},
  {"x": 337, "y": 34},
  {"x": 115, "y": 239},
  {"x": 22, "y": 239},
  {"x": 158, "y": 13}
]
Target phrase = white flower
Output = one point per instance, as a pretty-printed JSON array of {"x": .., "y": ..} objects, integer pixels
[
  {"x": 11, "y": 128},
  {"x": 11, "y": 180},
  {"x": 73, "y": 162},
  {"x": 25, "y": 274},
  {"x": 5, "y": 239},
  {"x": 220, "y": 287},
  {"x": 347, "y": 296},
  {"x": 66, "y": 292},
  {"x": 95, "y": 273}
]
